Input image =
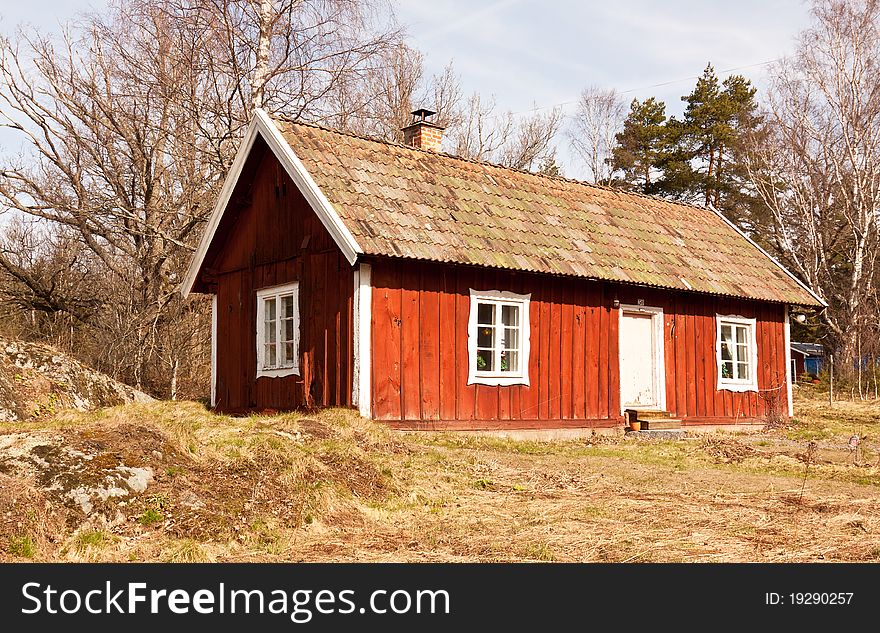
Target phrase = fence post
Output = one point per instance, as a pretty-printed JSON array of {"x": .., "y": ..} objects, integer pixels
[{"x": 831, "y": 379}]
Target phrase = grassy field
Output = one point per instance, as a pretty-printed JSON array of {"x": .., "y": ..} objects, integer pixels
[{"x": 332, "y": 487}]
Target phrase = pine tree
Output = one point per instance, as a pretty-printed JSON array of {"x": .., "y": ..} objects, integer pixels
[
  {"x": 642, "y": 145},
  {"x": 548, "y": 165},
  {"x": 704, "y": 160}
]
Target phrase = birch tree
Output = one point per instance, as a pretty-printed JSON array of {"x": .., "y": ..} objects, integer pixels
[
  {"x": 597, "y": 120},
  {"x": 817, "y": 167},
  {"x": 129, "y": 121},
  {"x": 524, "y": 142}
]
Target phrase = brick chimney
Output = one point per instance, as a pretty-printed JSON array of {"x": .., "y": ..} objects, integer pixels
[{"x": 423, "y": 133}]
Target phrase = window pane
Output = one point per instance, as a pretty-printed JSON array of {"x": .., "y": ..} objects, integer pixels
[
  {"x": 510, "y": 315},
  {"x": 510, "y": 361},
  {"x": 269, "y": 332},
  {"x": 743, "y": 371},
  {"x": 485, "y": 360},
  {"x": 727, "y": 370},
  {"x": 287, "y": 307},
  {"x": 270, "y": 360},
  {"x": 742, "y": 353},
  {"x": 485, "y": 314},
  {"x": 511, "y": 338},
  {"x": 742, "y": 335},
  {"x": 288, "y": 354},
  {"x": 269, "y": 309},
  {"x": 726, "y": 343},
  {"x": 485, "y": 336},
  {"x": 288, "y": 329},
  {"x": 726, "y": 351}
]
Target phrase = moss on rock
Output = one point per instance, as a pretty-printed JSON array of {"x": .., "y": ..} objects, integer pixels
[{"x": 38, "y": 381}]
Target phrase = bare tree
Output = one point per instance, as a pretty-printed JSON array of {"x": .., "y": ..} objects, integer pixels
[
  {"x": 817, "y": 164},
  {"x": 380, "y": 102},
  {"x": 595, "y": 124},
  {"x": 522, "y": 143},
  {"x": 130, "y": 120}
]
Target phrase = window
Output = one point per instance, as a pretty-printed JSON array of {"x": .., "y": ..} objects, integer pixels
[
  {"x": 498, "y": 338},
  {"x": 278, "y": 331},
  {"x": 736, "y": 353}
]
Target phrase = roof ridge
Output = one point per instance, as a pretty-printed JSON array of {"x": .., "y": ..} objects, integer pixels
[{"x": 488, "y": 163}]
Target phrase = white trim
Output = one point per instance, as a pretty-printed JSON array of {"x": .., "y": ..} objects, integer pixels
[
  {"x": 262, "y": 293},
  {"x": 789, "y": 378},
  {"x": 659, "y": 351},
  {"x": 356, "y": 334},
  {"x": 768, "y": 255},
  {"x": 476, "y": 377},
  {"x": 363, "y": 318},
  {"x": 214, "y": 350},
  {"x": 729, "y": 384},
  {"x": 263, "y": 125}
]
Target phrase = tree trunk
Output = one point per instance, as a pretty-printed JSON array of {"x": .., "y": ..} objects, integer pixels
[
  {"x": 175, "y": 365},
  {"x": 717, "y": 186},
  {"x": 261, "y": 68},
  {"x": 709, "y": 176}
]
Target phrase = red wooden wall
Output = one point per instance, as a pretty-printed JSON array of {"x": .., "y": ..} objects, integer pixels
[
  {"x": 272, "y": 237},
  {"x": 420, "y": 364},
  {"x": 800, "y": 367}
]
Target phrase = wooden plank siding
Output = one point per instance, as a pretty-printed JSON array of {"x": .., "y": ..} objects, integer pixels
[
  {"x": 419, "y": 361},
  {"x": 420, "y": 364},
  {"x": 276, "y": 239}
]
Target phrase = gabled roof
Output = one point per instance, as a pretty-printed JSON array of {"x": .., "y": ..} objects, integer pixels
[
  {"x": 808, "y": 349},
  {"x": 384, "y": 199}
]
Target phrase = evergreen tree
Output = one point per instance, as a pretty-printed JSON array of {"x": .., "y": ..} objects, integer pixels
[
  {"x": 549, "y": 167},
  {"x": 704, "y": 163},
  {"x": 641, "y": 145}
]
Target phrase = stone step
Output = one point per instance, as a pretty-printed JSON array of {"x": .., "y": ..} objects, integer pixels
[
  {"x": 666, "y": 434},
  {"x": 660, "y": 424}
]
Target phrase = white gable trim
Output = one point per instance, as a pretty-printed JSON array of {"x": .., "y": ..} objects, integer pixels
[
  {"x": 769, "y": 256},
  {"x": 263, "y": 125}
]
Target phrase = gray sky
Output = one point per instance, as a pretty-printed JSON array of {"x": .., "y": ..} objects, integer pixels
[{"x": 528, "y": 52}]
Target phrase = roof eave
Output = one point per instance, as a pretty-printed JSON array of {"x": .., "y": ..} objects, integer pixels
[{"x": 819, "y": 301}]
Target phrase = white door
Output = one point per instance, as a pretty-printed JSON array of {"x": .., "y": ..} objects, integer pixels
[{"x": 638, "y": 360}]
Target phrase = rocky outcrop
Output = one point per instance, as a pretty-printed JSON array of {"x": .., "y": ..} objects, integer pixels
[{"x": 37, "y": 381}]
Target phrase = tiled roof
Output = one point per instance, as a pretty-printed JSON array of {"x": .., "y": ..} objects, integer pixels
[{"x": 404, "y": 202}]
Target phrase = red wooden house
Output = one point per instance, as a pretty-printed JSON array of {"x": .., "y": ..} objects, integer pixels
[{"x": 431, "y": 291}]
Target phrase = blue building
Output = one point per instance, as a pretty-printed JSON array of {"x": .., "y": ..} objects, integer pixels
[{"x": 806, "y": 358}]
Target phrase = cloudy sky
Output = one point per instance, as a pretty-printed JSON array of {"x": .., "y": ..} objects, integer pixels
[{"x": 531, "y": 53}]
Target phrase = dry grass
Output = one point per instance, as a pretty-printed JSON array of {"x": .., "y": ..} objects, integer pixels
[{"x": 332, "y": 487}]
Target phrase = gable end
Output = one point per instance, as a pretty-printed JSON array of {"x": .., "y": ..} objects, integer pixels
[{"x": 263, "y": 126}]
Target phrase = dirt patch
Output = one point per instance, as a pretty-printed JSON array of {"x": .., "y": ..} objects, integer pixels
[
  {"x": 315, "y": 429},
  {"x": 726, "y": 449},
  {"x": 355, "y": 474}
]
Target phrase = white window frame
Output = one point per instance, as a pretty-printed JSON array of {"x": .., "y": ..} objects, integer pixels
[
  {"x": 277, "y": 292},
  {"x": 734, "y": 384},
  {"x": 499, "y": 378}
]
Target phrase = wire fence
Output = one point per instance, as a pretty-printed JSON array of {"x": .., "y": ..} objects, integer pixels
[{"x": 850, "y": 381}]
